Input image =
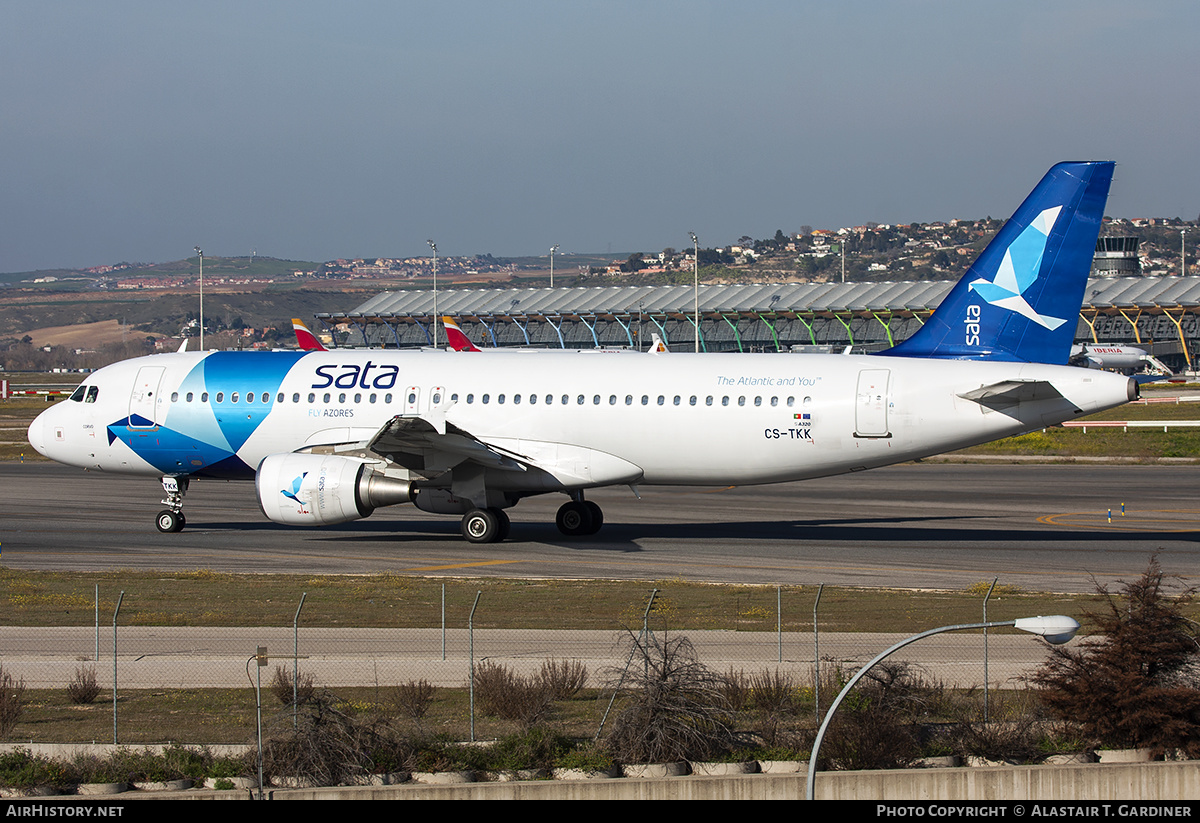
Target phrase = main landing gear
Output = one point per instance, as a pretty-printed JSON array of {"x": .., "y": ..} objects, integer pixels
[
  {"x": 171, "y": 519},
  {"x": 575, "y": 518},
  {"x": 488, "y": 525},
  {"x": 579, "y": 517}
]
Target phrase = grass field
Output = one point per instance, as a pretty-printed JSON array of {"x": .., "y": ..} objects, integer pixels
[{"x": 205, "y": 598}]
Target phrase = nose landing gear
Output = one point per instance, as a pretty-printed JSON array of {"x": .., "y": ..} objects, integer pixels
[{"x": 171, "y": 519}]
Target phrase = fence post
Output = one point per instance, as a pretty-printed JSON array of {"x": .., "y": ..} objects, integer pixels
[
  {"x": 817, "y": 652},
  {"x": 632, "y": 651},
  {"x": 296, "y": 662},
  {"x": 986, "y": 705},
  {"x": 116, "y": 611},
  {"x": 471, "y": 656}
]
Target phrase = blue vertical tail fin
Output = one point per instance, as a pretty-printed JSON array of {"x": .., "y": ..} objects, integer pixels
[{"x": 1020, "y": 299}]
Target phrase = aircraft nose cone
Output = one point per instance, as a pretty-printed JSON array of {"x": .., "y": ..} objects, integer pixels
[{"x": 37, "y": 434}]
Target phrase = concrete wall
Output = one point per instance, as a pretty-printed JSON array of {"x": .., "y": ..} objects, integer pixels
[{"x": 1169, "y": 782}]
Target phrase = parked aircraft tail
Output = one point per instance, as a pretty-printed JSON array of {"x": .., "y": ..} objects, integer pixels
[
  {"x": 304, "y": 338},
  {"x": 1020, "y": 299},
  {"x": 455, "y": 337}
]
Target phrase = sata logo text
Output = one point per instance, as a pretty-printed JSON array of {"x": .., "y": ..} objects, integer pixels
[
  {"x": 972, "y": 325},
  {"x": 351, "y": 377}
]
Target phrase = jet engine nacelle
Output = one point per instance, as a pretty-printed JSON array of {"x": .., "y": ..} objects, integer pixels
[{"x": 322, "y": 489}]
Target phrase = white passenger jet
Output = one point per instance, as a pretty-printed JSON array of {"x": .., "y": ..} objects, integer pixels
[{"x": 329, "y": 436}]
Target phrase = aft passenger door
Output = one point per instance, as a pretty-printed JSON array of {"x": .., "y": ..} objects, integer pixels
[{"x": 871, "y": 403}]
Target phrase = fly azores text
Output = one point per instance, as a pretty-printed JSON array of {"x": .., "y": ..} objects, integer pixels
[
  {"x": 368, "y": 376},
  {"x": 1033, "y": 810}
]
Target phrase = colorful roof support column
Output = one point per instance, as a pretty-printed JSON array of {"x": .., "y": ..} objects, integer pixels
[
  {"x": 771, "y": 327},
  {"x": 625, "y": 326},
  {"x": 562, "y": 344},
  {"x": 886, "y": 327},
  {"x": 1179, "y": 330},
  {"x": 737, "y": 335}
]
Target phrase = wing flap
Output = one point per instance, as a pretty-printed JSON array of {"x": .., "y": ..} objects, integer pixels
[{"x": 419, "y": 446}]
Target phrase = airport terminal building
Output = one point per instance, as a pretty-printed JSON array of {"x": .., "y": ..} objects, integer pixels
[{"x": 1160, "y": 314}]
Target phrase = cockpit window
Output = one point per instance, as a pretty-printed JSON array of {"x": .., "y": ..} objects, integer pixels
[
  {"x": 78, "y": 394},
  {"x": 92, "y": 393}
]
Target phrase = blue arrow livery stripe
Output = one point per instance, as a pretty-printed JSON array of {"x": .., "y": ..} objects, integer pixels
[{"x": 204, "y": 438}]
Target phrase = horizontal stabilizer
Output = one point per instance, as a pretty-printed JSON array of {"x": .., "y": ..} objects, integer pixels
[{"x": 1008, "y": 393}]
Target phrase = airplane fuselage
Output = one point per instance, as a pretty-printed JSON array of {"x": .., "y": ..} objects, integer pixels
[{"x": 585, "y": 418}]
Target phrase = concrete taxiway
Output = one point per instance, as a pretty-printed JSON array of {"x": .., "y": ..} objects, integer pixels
[{"x": 932, "y": 525}]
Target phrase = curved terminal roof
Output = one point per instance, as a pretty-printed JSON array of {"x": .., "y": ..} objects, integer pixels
[{"x": 1102, "y": 294}]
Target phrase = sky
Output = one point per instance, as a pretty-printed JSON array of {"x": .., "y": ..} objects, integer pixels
[{"x": 134, "y": 131}]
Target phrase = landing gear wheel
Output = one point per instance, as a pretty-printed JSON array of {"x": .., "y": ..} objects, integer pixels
[
  {"x": 505, "y": 524},
  {"x": 169, "y": 521},
  {"x": 574, "y": 518},
  {"x": 484, "y": 525},
  {"x": 597, "y": 516}
]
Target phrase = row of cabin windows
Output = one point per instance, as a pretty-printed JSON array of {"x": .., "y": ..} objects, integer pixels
[
  {"x": 485, "y": 399},
  {"x": 614, "y": 400},
  {"x": 251, "y": 397}
]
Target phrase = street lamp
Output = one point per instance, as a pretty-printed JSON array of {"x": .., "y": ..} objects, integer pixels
[
  {"x": 553, "y": 249},
  {"x": 200, "y": 252},
  {"x": 696, "y": 286},
  {"x": 1056, "y": 629},
  {"x": 433, "y": 246}
]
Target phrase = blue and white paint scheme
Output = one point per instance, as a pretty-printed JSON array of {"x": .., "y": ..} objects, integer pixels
[
  {"x": 329, "y": 436},
  {"x": 1019, "y": 300}
]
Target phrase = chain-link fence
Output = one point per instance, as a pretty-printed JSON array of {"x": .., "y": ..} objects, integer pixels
[{"x": 170, "y": 682}]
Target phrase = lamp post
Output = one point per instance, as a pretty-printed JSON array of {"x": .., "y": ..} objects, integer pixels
[
  {"x": 553, "y": 249},
  {"x": 200, "y": 252},
  {"x": 696, "y": 286},
  {"x": 433, "y": 246},
  {"x": 1056, "y": 629}
]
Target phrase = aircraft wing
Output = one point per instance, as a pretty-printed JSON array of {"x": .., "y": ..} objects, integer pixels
[
  {"x": 419, "y": 446},
  {"x": 1008, "y": 393}
]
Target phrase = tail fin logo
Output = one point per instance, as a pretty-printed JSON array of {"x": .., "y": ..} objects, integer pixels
[{"x": 1019, "y": 270}]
